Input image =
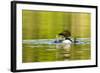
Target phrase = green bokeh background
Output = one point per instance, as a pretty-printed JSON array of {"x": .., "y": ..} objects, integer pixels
[{"x": 46, "y": 24}]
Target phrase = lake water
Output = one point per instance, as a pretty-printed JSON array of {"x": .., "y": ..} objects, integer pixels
[{"x": 46, "y": 50}]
